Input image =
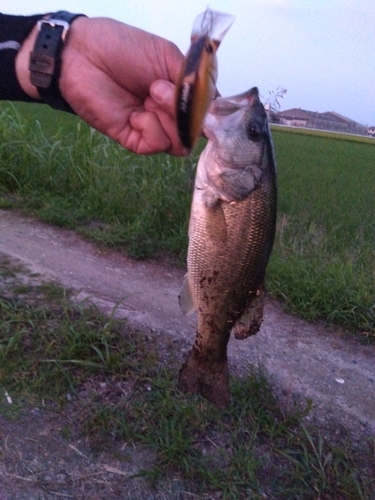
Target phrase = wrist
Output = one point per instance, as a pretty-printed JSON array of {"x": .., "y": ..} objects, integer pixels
[
  {"x": 40, "y": 59},
  {"x": 46, "y": 58}
]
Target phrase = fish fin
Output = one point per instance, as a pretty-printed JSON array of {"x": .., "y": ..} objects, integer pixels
[
  {"x": 208, "y": 377},
  {"x": 249, "y": 323},
  {"x": 186, "y": 298}
]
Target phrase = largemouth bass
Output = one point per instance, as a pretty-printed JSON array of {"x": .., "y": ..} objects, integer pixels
[
  {"x": 197, "y": 85},
  {"x": 231, "y": 234}
]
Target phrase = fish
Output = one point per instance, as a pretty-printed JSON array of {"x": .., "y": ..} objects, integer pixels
[
  {"x": 231, "y": 234},
  {"x": 196, "y": 87}
]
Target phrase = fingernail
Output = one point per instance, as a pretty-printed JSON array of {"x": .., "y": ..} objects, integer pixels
[{"x": 161, "y": 91}]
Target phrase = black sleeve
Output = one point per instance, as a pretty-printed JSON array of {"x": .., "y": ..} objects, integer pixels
[{"x": 13, "y": 31}]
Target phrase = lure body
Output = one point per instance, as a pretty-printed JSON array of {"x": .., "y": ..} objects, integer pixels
[{"x": 197, "y": 84}]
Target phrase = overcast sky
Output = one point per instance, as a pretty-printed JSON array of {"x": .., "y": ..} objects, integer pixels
[{"x": 321, "y": 51}]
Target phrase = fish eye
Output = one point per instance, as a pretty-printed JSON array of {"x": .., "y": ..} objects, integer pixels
[{"x": 254, "y": 131}]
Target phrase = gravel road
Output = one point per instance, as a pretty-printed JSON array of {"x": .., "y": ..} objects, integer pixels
[{"x": 305, "y": 360}]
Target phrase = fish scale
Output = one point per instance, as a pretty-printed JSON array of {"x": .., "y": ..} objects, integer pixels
[{"x": 248, "y": 221}]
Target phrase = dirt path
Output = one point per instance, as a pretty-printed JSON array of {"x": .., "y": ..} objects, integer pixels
[{"x": 304, "y": 359}]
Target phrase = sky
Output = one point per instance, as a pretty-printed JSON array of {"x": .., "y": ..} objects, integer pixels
[{"x": 321, "y": 51}]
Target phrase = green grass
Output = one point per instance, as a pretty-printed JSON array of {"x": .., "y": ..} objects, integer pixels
[
  {"x": 324, "y": 133},
  {"x": 77, "y": 178},
  {"x": 258, "y": 448},
  {"x": 323, "y": 261}
]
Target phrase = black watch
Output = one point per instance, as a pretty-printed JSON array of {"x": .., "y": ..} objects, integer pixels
[{"x": 45, "y": 60}]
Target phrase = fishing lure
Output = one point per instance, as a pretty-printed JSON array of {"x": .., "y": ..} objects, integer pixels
[{"x": 197, "y": 85}]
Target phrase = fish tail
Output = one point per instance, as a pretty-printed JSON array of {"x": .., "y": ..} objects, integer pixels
[{"x": 210, "y": 378}]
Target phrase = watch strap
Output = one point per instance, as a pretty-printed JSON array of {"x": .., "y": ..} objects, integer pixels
[{"x": 45, "y": 60}]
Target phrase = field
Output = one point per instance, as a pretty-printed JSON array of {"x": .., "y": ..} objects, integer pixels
[
  {"x": 112, "y": 389},
  {"x": 323, "y": 264},
  {"x": 322, "y": 267}
]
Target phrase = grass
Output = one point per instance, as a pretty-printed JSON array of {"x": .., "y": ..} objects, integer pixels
[
  {"x": 326, "y": 229},
  {"x": 77, "y": 178},
  {"x": 322, "y": 266},
  {"x": 256, "y": 449},
  {"x": 324, "y": 133}
]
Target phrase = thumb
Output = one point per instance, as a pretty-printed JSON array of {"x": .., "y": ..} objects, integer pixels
[{"x": 163, "y": 93}]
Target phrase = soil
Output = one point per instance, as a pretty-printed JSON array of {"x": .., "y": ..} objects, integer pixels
[{"x": 303, "y": 360}]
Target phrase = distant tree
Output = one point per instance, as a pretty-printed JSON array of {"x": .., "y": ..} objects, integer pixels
[{"x": 272, "y": 104}]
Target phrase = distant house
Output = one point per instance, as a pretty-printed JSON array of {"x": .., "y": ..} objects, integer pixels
[
  {"x": 294, "y": 117},
  {"x": 297, "y": 117},
  {"x": 371, "y": 131}
]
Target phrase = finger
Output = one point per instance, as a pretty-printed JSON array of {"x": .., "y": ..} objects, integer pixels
[
  {"x": 146, "y": 136},
  {"x": 162, "y": 102},
  {"x": 163, "y": 93},
  {"x": 169, "y": 126}
]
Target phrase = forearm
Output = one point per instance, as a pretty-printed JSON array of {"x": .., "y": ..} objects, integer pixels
[
  {"x": 17, "y": 35},
  {"x": 21, "y": 33},
  {"x": 116, "y": 77}
]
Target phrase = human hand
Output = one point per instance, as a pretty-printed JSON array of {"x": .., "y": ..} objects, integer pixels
[{"x": 120, "y": 80}]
